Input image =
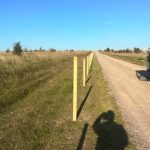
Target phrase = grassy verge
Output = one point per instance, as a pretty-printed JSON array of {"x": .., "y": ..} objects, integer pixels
[
  {"x": 43, "y": 119},
  {"x": 139, "y": 59}
]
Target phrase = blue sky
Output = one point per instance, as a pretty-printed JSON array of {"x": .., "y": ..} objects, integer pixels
[{"x": 75, "y": 24}]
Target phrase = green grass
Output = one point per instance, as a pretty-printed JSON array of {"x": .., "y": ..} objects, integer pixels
[
  {"x": 43, "y": 118},
  {"x": 139, "y": 59},
  {"x": 20, "y": 75}
]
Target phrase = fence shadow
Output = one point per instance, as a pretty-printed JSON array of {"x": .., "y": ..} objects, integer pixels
[
  {"x": 88, "y": 79},
  {"x": 84, "y": 100},
  {"x": 82, "y": 138},
  {"x": 111, "y": 136},
  {"x": 90, "y": 69}
]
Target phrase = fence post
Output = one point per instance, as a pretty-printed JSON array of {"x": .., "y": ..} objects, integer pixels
[
  {"x": 89, "y": 63},
  {"x": 75, "y": 65},
  {"x": 90, "y": 60},
  {"x": 87, "y": 66},
  {"x": 83, "y": 71}
]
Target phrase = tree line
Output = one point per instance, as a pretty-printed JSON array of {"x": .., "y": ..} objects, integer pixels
[
  {"x": 18, "y": 50},
  {"x": 135, "y": 50}
]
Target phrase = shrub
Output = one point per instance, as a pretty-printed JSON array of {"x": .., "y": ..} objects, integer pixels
[
  {"x": 17, "y": 49},
  {"x": 7, "y": 50}
]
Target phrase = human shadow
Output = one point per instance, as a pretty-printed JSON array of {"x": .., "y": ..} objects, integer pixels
[
  {"x": 111, "y": 136},
  {"x": 88, "y": 79},
  {"x": 83, "y": 102},
  {"x": 143, "y": 75},
  {"x": 82, "y": 138}
]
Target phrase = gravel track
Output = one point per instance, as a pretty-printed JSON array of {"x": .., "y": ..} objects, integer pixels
[{"x": 132, "y": 97}]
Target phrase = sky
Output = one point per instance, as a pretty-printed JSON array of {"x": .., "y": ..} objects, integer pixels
[{"x": 75, "y": 24}]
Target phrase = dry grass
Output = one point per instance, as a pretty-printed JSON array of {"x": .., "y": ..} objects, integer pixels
[
  {"x": 20, "y": 74},
  {"x": 131, "y": 54},
  {"x": 139, "y": 59}
]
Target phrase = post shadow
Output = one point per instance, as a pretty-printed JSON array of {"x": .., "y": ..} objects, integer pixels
[
  {"x": 88, "y": 79},
  {"x": 90, "y": 70},
  {"x": 111, "y": 136},
  {"x": 84, "y": 100},
  {"x": 82, "y": 138}
]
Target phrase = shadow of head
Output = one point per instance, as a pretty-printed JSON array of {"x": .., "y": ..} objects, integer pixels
[
  {"x": 111, "y": 136},
  {"x": 108, "y": 117}
]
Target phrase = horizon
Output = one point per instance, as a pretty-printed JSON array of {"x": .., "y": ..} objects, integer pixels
[
  {"x": 49, "y": 49},
  {"x": 78, "y": 25}
]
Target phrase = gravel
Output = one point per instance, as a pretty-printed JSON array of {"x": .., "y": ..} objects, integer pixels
[{"x": 132, "y": 97}]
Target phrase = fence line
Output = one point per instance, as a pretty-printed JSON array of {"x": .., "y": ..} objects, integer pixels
[{"x": 87, "y": 63}]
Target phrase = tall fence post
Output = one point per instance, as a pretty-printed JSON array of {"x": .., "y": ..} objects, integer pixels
[
  {"x": 89, "y": 62},
  {"x": 83, "y": 71},
  {"x": 75, "y": 65},
  {"x": 87, "y": 66},
  {"x": 91, "y": 59}
]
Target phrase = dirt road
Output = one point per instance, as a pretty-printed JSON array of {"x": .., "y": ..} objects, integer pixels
[{"x": 132, "y": 96}]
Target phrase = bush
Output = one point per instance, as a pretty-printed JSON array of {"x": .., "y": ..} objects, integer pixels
[
  {"x": 52, "y": 50},
  {"x": 137, "y": 50},
  {"x": 17, "y": 49},
  {"x": 7, "y": 50}
]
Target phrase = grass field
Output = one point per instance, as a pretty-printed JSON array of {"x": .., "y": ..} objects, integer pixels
[
  {"x": 36, "y": 103},
  {"x": 20, "y": 75},
  {"x": 139, "y": 59}
]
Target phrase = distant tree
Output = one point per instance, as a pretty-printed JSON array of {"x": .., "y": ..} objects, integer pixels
[
  {"x": 128, "y": 51},
  {"x": 137, "y": 50},
  {"x": 35, "y": 50},
  {"x": 17, "y": 49},
  {"x": 52, "y": 49},
  {"x": 112, "y": 50},
  {"x": 25, "y": 50},
  {"x": 71, "y": 50},
  {"x": 40, "y": 50},
  {"x": 107, "y": 50},
  {"x": 30, "y": 50},
  {"x": 7, "y": 50},
  {"x": 119, "y": 51},
  {"x": 123, "y": 51}
]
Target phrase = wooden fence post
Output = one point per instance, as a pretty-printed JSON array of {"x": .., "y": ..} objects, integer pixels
[
  {"x": 83, "y": 71},
  {"x": 75, "y": 72},
  {"x": 89, "y": 63},
  {"x": 87, "y": 66}
]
